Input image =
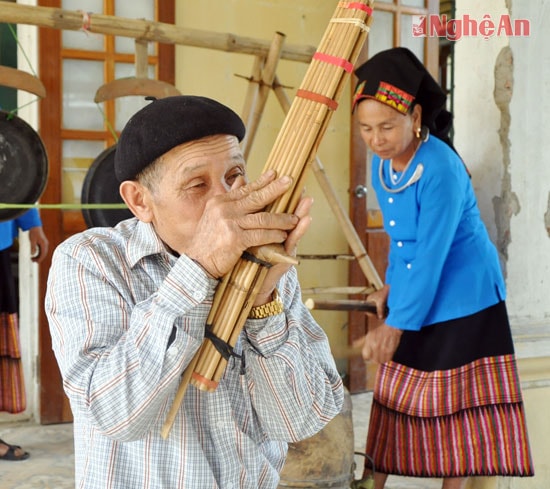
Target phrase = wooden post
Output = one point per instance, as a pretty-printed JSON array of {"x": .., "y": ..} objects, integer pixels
[
  {"x": 251, "y": 97},
  {"x": 141, "y": 58}
]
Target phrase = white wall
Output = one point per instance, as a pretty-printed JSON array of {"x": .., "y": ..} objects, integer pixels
[
  {"x": 507, "y": 157},
  {"x": 529, "y": 264},
  {"x": 502, "y": 131},
  {"x": 477, "y": 118}
]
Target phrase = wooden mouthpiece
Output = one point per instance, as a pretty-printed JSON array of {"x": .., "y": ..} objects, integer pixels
[{"x": 274, "y": 254}]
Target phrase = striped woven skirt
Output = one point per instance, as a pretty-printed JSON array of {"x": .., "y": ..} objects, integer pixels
[
  {"x": 12, "y": 386},
  {"x": 449, "y": 403}
]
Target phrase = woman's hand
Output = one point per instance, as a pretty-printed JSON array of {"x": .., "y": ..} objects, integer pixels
[
  {"x": 380, "y": 298},
  {"x": 380, "y": 343},
  {"x": 381, "y": 340}
]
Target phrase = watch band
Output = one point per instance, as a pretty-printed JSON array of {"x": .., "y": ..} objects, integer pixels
[{"x": 270, "y": 309}]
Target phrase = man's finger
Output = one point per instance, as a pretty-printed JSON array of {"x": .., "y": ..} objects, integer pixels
[
  {"x": 239, "y": 191},
  {"x": 268, "y": 220},
  {"x": 258, "y": 237},
  {"x": 264, "y": 196}
]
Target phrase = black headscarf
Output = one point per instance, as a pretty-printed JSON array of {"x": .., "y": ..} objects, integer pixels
[{"x": 397, "y": 78}]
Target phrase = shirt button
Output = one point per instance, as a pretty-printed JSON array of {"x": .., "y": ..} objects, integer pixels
[
  {"x": 390, "y": 200},
  {"x": 197, "y": 295},
  {"x": 409, "y": 266},
  {"x": 392, "y": 223},
  {"x": 400, "y": 244}
]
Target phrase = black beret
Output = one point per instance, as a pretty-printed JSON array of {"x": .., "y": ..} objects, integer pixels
[
  {"x": 397, "y": 78},
  {"x": 166, "y": 123}
]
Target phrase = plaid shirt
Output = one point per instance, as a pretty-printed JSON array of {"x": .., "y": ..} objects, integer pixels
[{"x": 114, "y": 298}]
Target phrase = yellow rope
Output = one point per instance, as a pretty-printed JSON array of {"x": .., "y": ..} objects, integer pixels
[{"x": 62, "y": 206}]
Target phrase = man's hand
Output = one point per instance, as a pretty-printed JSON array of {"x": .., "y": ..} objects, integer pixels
[
  {"x": 235, "y": 221},
  {"x": 290, "y": 245}
]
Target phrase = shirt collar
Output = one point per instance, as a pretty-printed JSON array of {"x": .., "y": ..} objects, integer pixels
[{"x": 144, "y": 241}]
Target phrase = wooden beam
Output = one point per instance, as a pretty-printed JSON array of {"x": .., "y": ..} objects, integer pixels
[{"x": 146, "y": 30}]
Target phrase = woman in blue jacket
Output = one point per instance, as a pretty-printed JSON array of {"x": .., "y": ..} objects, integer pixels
[
  {"x": 12, "y": 387},
  {"x": 447, "y": 401}
]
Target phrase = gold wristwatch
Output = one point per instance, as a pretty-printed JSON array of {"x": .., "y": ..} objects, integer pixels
[{"x": 270, "y": 309}]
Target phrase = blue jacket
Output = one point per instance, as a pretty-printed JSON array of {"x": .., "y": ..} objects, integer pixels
[
  {"x": 10, "y": 229},
  {"x": 442, "y": 263}
]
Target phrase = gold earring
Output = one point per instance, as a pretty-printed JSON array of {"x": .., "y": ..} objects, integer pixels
[{"x": 418, "y": 132}]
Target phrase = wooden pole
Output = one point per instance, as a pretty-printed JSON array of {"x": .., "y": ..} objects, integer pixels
[
  {"x": 251, "y": 98},
  {"x": 354, "y": 290},
  {"x": 341, "y": 305},
  {"x": 147, "y": 30}
]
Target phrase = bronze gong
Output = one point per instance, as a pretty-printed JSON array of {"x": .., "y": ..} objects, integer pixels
[
  {"x": 100, "y": 186},
  {"x": 23, "y": 165}
]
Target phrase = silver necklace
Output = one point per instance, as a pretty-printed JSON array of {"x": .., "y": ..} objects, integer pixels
[{"x": 393, "y": 176}]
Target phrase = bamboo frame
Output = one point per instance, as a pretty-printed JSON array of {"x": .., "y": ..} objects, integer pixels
[
  {"x": 150, "y": 31},
  {"x": 336, "y": 206},
  {"x": 259, "y": 90},
  {"x": 248, "y": 276},
  {"x": 293, "y": 151}
]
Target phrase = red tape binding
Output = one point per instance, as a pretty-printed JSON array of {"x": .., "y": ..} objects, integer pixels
[
  {"x": 209, "y": 384},
  {"x": 333, "y": 60},
  {"x": 86, "y": 21},
  {"x": 317, "y": 97},
  {"x": 357, "y": 6}
]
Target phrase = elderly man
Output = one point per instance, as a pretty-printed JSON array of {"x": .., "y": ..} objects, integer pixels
[{"x": 127, "y": 308}]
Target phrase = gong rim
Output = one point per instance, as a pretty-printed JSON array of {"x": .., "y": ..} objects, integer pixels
[{"x": 100, "y": 186}]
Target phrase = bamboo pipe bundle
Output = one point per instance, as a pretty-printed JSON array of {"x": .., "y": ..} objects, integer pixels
[
  {"x": 355, "y": 243},
  {"x": 294, "y": 148},
  {"x": 317, "y": 97},
  {"x": 302, "y": 129}
]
